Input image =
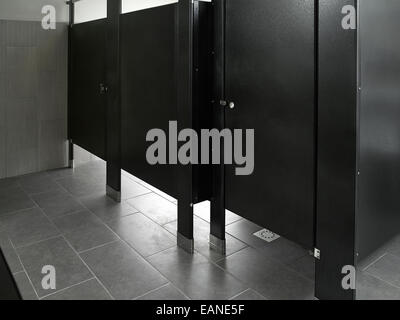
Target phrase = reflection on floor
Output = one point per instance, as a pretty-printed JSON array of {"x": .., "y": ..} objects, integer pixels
[
  {"x": 379, "y": 274},
  {"x": 104, "y": 250}
]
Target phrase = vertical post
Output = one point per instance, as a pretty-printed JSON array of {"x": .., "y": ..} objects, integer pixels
[
  {"x": 217, "y": 223},
  {"x": 184, "y": 60},
  {"x": 113, "y": 135},
  {"x": 337, "y": 150},
  {"x": 71, "y": 5}
]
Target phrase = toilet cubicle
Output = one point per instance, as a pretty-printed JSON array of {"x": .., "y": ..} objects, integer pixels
[
  {"x": 124, "y": 82},
  {"x": 291, "y": 70},
  {"x": 319, "y": 84}
]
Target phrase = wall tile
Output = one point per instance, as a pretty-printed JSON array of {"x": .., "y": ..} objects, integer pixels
[
  {"x": 2, "y": 137},
  {"x": 3, "y": 54},
  {"x": 46, "y": 96},
  {"x": 53, "y": 144},
  {"x": 21, "y": 33},
  {"x": 47, "y": 46},
  {"x": 21, "y": 72},
  {"x": 3, "y": 32},
  {"x": 33, "y": 94},
  {"x": 3, "y": 85},
  {"x": 22, "y": 136}
]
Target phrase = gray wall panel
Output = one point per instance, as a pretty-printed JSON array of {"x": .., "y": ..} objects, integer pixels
[
  {"x": 21, "y": 135},
  {"x": 2, "y": 58},
  {"x": 2, "y": 136},
  {"x": 33, "y": 97}
]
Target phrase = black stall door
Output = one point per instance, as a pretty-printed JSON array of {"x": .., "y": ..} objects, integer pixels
[
  {"x": 87, "y": 107},
  {"x": 270, "y": 76}
]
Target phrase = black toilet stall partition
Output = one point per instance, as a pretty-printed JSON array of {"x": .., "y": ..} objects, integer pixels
[
  {"x": 142, "y": 47},
  {"x": 290, "y": 70}
]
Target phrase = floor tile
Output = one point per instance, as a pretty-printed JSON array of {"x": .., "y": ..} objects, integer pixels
[
  {"x": 84, "y": 231},
  {"x": 60, "y": 173},
  {"x": 371, "y": 288},
  {"x": 9, "y": 253},
  {"x": 196, "y": 276},
  {"x": 269, "y": 277},
  {"x": 131, "y": 189},
  {"x": 56, "y": 204},
  {"x": 14, "y": 199},
  {"x": 27, "y": 227},
  {"x": 305, "y": 266},
  {"x": 89, "y": 290},
  {"x": 202, "y": 210},
  {"x": 144, "y": 235},
  {"x": 155, "y": 207},
  {"x": 106, "y": 208},
  {"x": 8, "y": 183},
  {"x": 70, "y": 270},
  {"x": 168, "y": 292},
  {"x": 25, "y": 287},
  {"x": 386, "y": 268},
  {"x": 91, "y": 169},
  {"x": 37, "y": 183},
  {"x": 394, "y": 247},
  {"x": 283, "y": 250},
  {"x": 76, "y": 220},
  {"x": 244, "y": 230},
  {"x": 371, "y": 258},
  {"x": 202, "y": 240},
  {"x": 151, "y": 188},
  {"x": 249, "y": 294},
  {"x": 123, "y": 272},
  {"x": 80, "y": 187}
]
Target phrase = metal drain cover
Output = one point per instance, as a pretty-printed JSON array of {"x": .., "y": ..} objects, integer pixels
[{"x": 266, "y": 235}]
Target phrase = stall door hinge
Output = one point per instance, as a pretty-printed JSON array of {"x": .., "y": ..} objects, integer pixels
[{"x": 317, "y": 254}]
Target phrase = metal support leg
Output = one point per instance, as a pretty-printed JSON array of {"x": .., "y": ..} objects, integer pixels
[
  {"x": 113, "y": 194},
  {"x": 70, "y": 154},
  {"x": 217, "y": 215}
]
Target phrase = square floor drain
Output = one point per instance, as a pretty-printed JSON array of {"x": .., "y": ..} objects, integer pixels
[{"x": 266, "y": 235}]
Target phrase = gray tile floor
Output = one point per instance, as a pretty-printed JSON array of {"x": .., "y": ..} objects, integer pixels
[
  {"x": 104, "y": 250},
  {"x": 379, "y": 274}
]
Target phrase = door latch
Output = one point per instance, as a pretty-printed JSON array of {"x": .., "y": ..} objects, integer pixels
[
  {"x": 103, "y": 88},
  {"x": 224, "y": 103}
]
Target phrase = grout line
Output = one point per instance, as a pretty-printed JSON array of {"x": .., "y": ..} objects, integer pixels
[
  {"x": 38, "y": 242},
  {"x": 151, "y": 291},
  {"x": 383, "y": 280},
  {"x": 237, "y": 295},
  {"x": 17, "y": 211},
  {"x": 66, "y": 288},
  {"x": 159, "y": 252},
  {"x": 374, "y": 261},
  {"x": 90, "y": 269},
  {"x": 97, "y": 247},
  {"x": 143, "y": 184},
  {"x": 24, "y": 270}
]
